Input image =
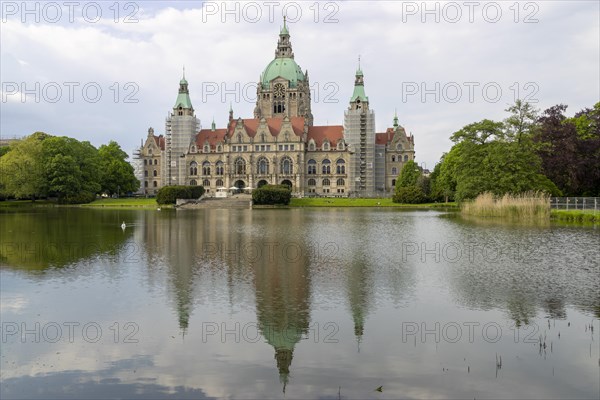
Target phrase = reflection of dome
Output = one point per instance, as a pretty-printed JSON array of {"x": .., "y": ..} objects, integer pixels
[{"x": 284, "y": 67}]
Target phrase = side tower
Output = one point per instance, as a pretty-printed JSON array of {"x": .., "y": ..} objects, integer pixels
[
  {"x": 283, "y": 89},
  {"x": 359, "y": 133},
  {"x": 181, "y": 127}
]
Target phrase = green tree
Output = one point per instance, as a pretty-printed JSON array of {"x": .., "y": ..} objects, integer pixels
[
  {"x": 497, "y": 157},
  {"x": 117, "y": 174},
  {"x": 21, "y": 169},
  {"x": 411, "y": 186},
  {"x": 82, "y": 164}
]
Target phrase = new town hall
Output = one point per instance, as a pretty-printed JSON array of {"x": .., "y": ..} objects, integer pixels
[{"x": 280, "y": 145}]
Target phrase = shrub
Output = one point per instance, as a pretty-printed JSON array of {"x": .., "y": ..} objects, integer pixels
[
  {"x": 170, "y": 194},
  {"x": 196, "y": 191},
  {"x": 79, "y": 198},
  {"x": 409, "y": 195},
  {"x": 272, "y": 194}
]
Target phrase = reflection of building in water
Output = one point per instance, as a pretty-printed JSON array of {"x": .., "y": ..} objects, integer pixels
[
  {"x": 240, "y": 244},
  {"x": 282, "y": 286},
  {"x": 359, "y": 286}
]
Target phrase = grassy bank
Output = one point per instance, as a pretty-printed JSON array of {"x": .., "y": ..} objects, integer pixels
[
  {"x": 526, "y": 206},
  {"x": 575, "y": 216},
  {"x": 351, "y": 202},
  {"x": 26, "y": 203},
  {"x": 123, "y": 202}
]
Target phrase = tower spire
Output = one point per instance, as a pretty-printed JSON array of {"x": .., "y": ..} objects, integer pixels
[{"x": 395, "y": 118}]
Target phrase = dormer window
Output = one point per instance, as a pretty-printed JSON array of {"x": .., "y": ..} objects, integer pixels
[
  {"x": 340, "y": 145},
  {"x": 206, "y": 148},
  {"x": 326, "y": 146},
  {"x": 311, "y": 145}
]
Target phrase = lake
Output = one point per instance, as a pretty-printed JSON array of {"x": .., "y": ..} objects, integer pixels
[{"x": 301, "y": 303}]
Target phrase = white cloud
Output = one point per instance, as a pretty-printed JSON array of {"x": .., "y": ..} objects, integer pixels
[{"x": 559, "y": 54}]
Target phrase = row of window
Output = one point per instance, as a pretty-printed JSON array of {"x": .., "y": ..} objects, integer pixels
[
  {"x": 286, "y": 167},
  {"x": 154, "y": 173},
  {"x": 326, "y": 167},
  {"x": 282, "y": 147},
  {"x": 399, "y": 158},
  {"x": 154, "y": 184},
  {"x": 220, "y": 183},
  {"x": 146, "y": 162}
]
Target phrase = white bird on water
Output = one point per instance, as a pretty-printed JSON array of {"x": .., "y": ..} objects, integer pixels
[{"x": 123, "y": 226}]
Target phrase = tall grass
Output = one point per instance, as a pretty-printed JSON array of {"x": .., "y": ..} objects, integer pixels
[{"x": 529, "y": 205}]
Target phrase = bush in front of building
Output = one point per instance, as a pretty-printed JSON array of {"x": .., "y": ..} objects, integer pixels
[
  {"x": 272, "y": 194},
  {"x": 409, "y": 195},
  {"x": 170, "y": 194}
]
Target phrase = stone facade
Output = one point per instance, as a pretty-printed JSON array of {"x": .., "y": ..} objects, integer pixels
[{"x": 280, "y": 145}]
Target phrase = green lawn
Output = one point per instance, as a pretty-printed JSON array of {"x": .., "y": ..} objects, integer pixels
[
  {"x": 123, "y": 202},
  {"x": 351, "y": 202},
  {"x": 575, "y": 215}
]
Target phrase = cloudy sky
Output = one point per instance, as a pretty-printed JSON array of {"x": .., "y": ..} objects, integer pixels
[{"x": 103, "y": 71}]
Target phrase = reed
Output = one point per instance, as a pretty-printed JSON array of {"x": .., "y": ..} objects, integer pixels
[{"x": 524, "y": 206}]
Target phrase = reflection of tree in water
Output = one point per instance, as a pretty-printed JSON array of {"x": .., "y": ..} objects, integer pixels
[
  {"x": 526, "y": 270},
  {"x": 35, "y": 239}
]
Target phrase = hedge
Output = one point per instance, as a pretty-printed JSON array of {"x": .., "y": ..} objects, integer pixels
[
  {"x": 170, "y": 194},
  {"x": 272, "y": 194}
]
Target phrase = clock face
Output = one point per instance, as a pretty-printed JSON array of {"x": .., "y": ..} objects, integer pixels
[{"x": 279, "y": 90}]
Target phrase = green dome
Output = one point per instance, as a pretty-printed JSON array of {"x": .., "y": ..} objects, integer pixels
[{"x": 284, "y": 67}]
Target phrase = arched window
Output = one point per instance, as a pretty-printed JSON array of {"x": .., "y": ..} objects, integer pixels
[
  {"x": 262, "y": 166},
  {"x": 340, "y": 145},
  {"x": 154, "y": 184},
  {"x": 340, "y": 182},
  {"x": 239, "y": 166},
  {"x": 219, "y": 167},
  {"x": 393, "y": 158},
  {"x": 312, "y": 182},
  {"x": 219, "y": 148},
  {"x": 394, "y": 171},
  {"x": 405, "y": 158},
  {"x": 145, "y": 162},
  {"x": 145, "y": 183},
  {"x": 311, "y": 145},
  {"x": 206, "y": 183},
  {"x": 206, "y": 148},
  {"x": 219, "y": 182},
  {"x": 393, "y": 182},
  {"x": 399, "y": 147},
  {"x": 326, "y": 146},
  {"x": 193, "y": 168},
  {"x": 340, "y": 167},
  {"x": 312, "y": 167},
  {"x": 146, "y": 173},
  {"x": 193, "y": 182},
  {"x": 326, "y": 167},
  {"x": 206, "y": 168},
  {"x": 287, "y": 166},
  {"x": 154, "y": 173},
  {"x": 155, "y": 161},
  {"x": 326, "y": 182}
]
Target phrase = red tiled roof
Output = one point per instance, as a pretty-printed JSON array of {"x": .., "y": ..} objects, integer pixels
[
  {"x": 160, "y": 141},
  {"x": 213, "y": 137},
  {"x": 319, "y": 133},
  {"x": 274, "y": 125},
  {"x": 385, "y": 137}
]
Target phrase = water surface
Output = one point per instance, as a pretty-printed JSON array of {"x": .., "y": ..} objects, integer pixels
[{"x": 316, "y": 303}]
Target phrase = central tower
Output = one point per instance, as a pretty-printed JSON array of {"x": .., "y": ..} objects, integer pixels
[{"x": 283, "y": 89}]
